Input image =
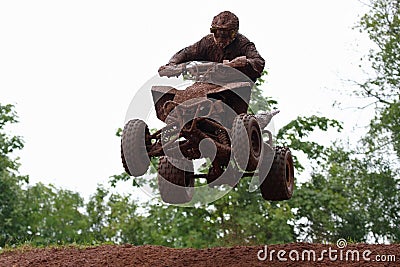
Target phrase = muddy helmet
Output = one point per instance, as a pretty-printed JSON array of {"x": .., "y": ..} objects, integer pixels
[
  {"x": 225, "y": 27},
  {"x": 226, "y": 20}
]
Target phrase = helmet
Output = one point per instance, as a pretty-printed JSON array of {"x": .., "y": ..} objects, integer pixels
[
  {"x": 225, "y": 20},
  {"x": 225, "y": 27}
]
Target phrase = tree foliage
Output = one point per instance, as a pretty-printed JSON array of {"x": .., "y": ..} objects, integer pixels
[
  {"x": 356, "y": 190},
  {"x": 352, "y": 197},
  {"x": 382, "y": 25},
  {"x": 53, "y": 216},
  {"x": 11, "y": 211}
]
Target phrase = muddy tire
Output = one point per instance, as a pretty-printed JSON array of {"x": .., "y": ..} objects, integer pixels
[
  {"x": 134, "y": 156},
  {"x": 246, "y": 142},
  {"x": 279, "y": 183},
  {"x": 175, "y": 180},
  {"x": 124, "y": 161}
]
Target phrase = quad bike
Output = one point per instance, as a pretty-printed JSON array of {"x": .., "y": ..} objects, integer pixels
[{"x": 208, "y": 119}]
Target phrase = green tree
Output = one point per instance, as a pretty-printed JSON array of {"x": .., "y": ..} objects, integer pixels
[
  {"x": 124, "y": 223},
  {"x": 114, "y": 218},
  {"x": 382, "y": 25},
  {"x": 11, "y": 211},
  {"x": 354, "y": 191},
  {"x": 351, "y": 197},
  {"x": 97, "y": 215},
  {"x": 54, "y": 216}
]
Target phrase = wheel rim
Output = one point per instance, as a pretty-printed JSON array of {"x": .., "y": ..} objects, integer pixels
[
  {"x": 255, "y": 141},
  {"x": 289, "y": 174}
]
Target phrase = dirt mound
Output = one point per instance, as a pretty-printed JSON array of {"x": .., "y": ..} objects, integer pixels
[{"x": 295, "y": 254}]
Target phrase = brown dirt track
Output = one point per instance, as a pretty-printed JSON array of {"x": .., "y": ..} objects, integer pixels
[{"x": 129, "y": 255}]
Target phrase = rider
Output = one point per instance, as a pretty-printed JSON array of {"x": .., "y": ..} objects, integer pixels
[{"x": 224, "y": 45}]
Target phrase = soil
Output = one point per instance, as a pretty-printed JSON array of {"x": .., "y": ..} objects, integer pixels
[{"x": 148, "y": 255}]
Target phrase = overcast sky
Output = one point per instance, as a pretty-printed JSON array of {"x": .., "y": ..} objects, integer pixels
[{"x": 71, "y": 69}]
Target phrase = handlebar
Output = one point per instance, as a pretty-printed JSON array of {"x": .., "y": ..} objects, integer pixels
[
  {"x": 193, "y": 68},
  {"x": 204, "y": 72}
]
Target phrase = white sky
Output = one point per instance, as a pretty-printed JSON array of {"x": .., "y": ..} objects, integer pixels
[{"x": 71, "y": 69}]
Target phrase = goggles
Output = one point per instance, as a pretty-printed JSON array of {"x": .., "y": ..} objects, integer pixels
[{"x": 224, "y": 33}]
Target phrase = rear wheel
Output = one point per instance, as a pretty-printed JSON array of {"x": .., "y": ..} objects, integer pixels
[
  {"x": 279, "y": 183},
  {"x": 247, "y": 142},
  {"x": 135, "y": 137},
  {"x": 175, "y": 180}
]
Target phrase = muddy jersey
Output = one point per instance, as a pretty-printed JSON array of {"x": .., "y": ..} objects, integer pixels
[{"x": 207, "y": 50}]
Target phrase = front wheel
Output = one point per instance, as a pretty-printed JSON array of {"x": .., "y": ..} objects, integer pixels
[
  {"x": 175, "y": 180},
  {"x": 279, "y": 183},
  {"x": 135, "y": 139}
]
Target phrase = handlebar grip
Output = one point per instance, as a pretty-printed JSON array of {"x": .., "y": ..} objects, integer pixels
[{"x": 170, "y": 71}]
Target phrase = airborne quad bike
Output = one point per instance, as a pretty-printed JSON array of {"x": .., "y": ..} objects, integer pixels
[{"x": 208, "y": 119}]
